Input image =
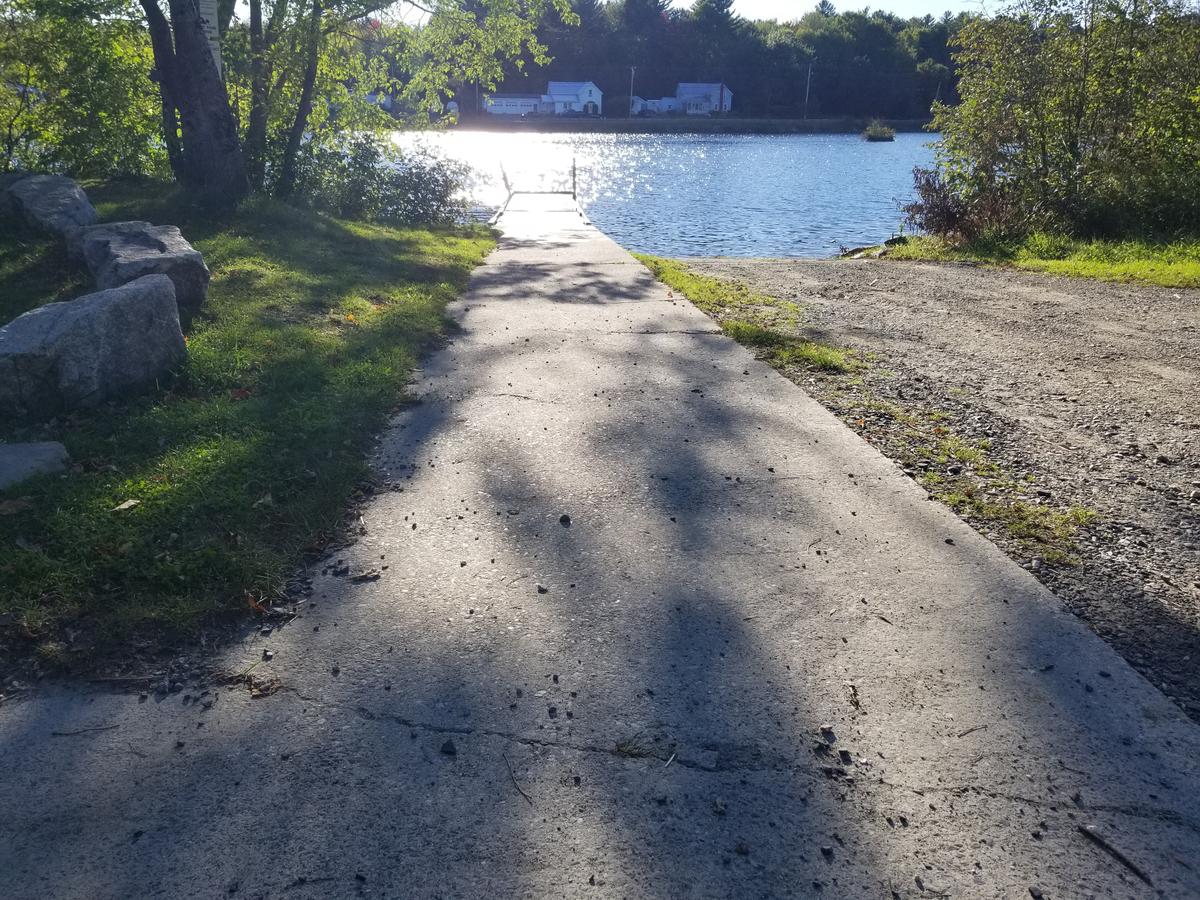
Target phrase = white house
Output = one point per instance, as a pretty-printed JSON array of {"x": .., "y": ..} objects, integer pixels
[
  {"x": 574, "y": 97},
  {"x": 690, "y": 98},
  {"x": 561, "y": 98},
  {"x": 703, "y": 99},
  {"x": 640, "y": 106},
  {"x": 513, "y": 104}
]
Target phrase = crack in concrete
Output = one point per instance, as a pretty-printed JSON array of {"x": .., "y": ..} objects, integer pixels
[{"x": 666, "y": 757}]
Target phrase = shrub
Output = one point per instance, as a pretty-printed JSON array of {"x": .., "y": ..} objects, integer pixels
[
  {"x": 364, "y": 177},
  {"x": 877, "y": 131},
  {"x": 76, "y": 94},
  {"x": 1074, "y": 116},
  {"x": 950, "y": 212}
]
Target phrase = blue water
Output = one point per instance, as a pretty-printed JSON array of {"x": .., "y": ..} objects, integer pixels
[{"x": 710, "y": 195}]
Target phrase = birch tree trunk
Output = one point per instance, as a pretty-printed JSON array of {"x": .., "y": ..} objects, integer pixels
[{"x": 209, "y": 158}]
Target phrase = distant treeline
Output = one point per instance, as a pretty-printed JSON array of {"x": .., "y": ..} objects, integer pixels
[{"x": 862, "y": 63}]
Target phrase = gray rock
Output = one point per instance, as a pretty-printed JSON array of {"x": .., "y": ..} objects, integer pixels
[
  {"x": 53, "y": 203},
  {"x": 9, "y": 208},
  {"x": 80, "y": 353},
  {"x": 19, "y": 462},
  {"x": 118, "y": 252},
  {"x": 8, "y": 179}
]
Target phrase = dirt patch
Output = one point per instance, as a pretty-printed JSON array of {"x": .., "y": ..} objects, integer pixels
[{"x": 1060, "y": 417}]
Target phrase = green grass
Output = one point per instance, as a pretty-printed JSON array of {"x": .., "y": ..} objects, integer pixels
[
  {"x": 33, "y": 271},
  {"x": 249, "y": 456},
  {"x": 1040, "y": 530},
  {"x": 1170, "y": 264},
  {"x": 712, "y": 295},
  {"x": 751, "y": 319}
]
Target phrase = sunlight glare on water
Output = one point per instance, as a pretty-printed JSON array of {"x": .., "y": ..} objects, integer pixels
[{"x": 705, "y": 195}]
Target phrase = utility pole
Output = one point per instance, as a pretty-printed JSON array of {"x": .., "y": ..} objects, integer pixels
[
  {"x": 632, "y": 69},
  {"x": 807, "y": 88}
]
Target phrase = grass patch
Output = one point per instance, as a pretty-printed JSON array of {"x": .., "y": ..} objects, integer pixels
[
  {"x": 1168, "y": 264},
  {"x": 1040, "y": 530},
  {"x": 786, "y": 350},
  {"x": 713, "y": 295},
  {"x": 752, "y": 319},
  {"x": 809, "y": 354},
  {"x": 33, "y": 271},
  {"x": 249, "y": 456}
]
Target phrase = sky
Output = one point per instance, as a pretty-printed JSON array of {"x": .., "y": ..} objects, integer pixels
[{"x": 787, "y": 10}]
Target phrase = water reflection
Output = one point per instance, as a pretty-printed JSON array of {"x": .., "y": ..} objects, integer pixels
[{"x": 706, "y": 195}]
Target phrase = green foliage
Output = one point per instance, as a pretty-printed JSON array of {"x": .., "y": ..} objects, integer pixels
[
  {"x": 76, "y": 93},
  {"x": 312, "y": 329},
  {"x": 363, "y": 177},
  {"x": 1074, "y": 116},
  {"x": 877, "y": 131},
  {"x": 474, "y": 43},
  {"x": 372, "y": 74},
  {"x": 863, "y": 63},
  {"x": 1169, "y": 264},
  {"x": 751, "y": 319}
]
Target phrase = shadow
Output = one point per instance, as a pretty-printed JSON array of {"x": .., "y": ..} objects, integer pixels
[
  {"x": 246, "y": 456},
  {"x": 751, "y": 662}
]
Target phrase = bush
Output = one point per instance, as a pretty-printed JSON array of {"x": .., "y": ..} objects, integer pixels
[
  {"x": 76, "y": 94},
  {"x": 1075, "y": 117},
  {"x": 943, "y": 210},
  {"x": 877, "y": 131},
  {"x": 363, "y": 177}
]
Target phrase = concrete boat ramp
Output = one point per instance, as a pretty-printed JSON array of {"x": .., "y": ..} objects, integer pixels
[{"x": 644, "y": 621}]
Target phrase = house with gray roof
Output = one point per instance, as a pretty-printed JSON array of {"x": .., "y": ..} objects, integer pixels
[{"x": 562, "y": 98}]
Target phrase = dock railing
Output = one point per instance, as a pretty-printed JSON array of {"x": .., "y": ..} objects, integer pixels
[{"x": 573, "y": 193}]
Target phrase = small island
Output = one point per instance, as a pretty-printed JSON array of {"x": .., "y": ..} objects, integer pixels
[{"x": 877, "y": 131}]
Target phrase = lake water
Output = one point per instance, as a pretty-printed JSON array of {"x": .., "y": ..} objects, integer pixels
[{"x": 707, "y": 195}]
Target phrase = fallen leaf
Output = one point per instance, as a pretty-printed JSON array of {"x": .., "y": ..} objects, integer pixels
[
  {"x": 255, "y": 604},
  {"x": 128, "y": 504}
]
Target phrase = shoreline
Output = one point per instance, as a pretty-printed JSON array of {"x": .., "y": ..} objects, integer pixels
[{"x": 681, "y": 125}]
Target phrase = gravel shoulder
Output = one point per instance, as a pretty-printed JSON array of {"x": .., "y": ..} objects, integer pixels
[{"x": 1082, "y": 398}]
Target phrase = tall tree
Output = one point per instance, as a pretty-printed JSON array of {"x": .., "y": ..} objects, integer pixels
[{"x": 209, "y": 156}]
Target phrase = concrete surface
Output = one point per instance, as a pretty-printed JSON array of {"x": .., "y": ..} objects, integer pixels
[{"x": 631, "y": 703}]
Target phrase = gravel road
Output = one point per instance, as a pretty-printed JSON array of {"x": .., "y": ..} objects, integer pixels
[{"x": 1087, "y": 392}]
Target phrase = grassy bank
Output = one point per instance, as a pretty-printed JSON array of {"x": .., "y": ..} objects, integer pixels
[
  {"x": 1169, "y": 264},
  {"x": 769, "y": 326},
  {"x": 198, "y": 500},
  {"x": 681, "y": 125}
]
